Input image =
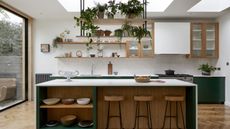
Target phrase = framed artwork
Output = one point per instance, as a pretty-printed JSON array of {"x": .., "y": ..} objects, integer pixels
[{"x": 45, "y": 48}]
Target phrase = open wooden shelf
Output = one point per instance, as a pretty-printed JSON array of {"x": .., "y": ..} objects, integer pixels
[
  {"x": 106, "y": 43},
  {"x": 90, "y": 57},
  {"x": 67, "y": 106},
  {"x": 63, "y": 127},
  {"x": 121, "y": 21}
]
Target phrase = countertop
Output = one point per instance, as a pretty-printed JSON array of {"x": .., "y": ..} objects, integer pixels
[
  {"x": 105, "y": 75},
  {"x": 115, "y": 82}
]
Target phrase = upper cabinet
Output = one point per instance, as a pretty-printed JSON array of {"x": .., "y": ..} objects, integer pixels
[
  {"x": 204, "y": 40},
  {"x": 172, "y": 37}
]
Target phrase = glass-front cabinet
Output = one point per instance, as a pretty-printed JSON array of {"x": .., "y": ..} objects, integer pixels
[{"x": 204, "y": 40}]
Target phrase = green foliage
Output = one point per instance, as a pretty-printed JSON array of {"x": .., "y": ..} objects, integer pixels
[
  {"x": 140, "y": 32},
  {"x": 112, "y": 8},
  {"x": 10, "y": 38},
  {"x": 101, "y": 8},
  {"x": 127, "y": 27},
  {"x": 119, "y": 33},
  {"x": 206, "y": 68},
  {"x": 131, "y": 8}
]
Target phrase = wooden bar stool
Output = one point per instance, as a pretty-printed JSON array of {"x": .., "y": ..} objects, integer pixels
[
  {"x": 110, "y": 99},
  {"x": 178, "y": 100},
  {"x": 146, "y": 100}
]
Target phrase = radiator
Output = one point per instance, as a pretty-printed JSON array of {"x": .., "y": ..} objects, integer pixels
[{"x": 40, "y": 77}]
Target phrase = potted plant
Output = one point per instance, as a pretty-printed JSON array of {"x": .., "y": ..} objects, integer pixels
[
  {"x": 56, "y": 41},
  {"x": 127, "y": 29},
  {"x": 101, "y": 10},
  {"x": 206, "y": 69},
  {"x": 112, "y": 9},
  {"x": 118, "y": 33},
  {"x": 140, "y": 32},
  {"x": 107, "y": 32},
  {"x": 132, "y": 9}
]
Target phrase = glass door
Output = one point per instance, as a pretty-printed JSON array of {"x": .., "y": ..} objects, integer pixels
[
  {"x": 133, "y": 49},
  {"x": 147, "y": 48},
  {"x": 210, "y": 48},
  {"x": 12, "y": 59},
  {"x": 196, "y": 40}
]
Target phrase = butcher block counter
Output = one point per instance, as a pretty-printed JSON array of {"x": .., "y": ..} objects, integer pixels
[{"x": 96, "y": 89}]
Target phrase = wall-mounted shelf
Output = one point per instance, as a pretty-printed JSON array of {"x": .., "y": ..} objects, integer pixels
[
  {"x": 106, "y": 43},
  {"x": 121, "y": 21},
  {"x": 67, "y": 106},
  {"x": 89, "y": 57}
]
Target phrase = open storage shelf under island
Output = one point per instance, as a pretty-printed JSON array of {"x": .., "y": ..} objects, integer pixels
[{"x": 96, "y": 89}]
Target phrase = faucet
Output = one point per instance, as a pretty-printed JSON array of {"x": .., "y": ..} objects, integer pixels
[{"x": 92, "y": 69}]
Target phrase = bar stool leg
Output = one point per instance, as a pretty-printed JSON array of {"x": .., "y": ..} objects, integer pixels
[
  {"x": 108, "y": 119},
  {"x": 182, "y": 115},
  {"x": 149, "y": 115},
  {"x": 165, "y": 114},
  {"x": 120, "y": 115}
]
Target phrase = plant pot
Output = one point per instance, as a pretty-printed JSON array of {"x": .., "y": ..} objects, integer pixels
[
  {"x": 169, "y": 72},
  {"x": 206, "y": 73},
  {"x": 100, "y": 15},
  {"x": 99, "y": 33},
  {"x": 131, "y": 16},
  {"x": 107, "y": 32}
]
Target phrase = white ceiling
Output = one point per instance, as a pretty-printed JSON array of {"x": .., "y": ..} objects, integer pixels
[{"x": 50, "y": 9}]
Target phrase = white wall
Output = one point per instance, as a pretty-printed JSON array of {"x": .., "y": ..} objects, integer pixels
[
  {"x": 46, "y": 30},
  {"x": 224, "y": 25}
]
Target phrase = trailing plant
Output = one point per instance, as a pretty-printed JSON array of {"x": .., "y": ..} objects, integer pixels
[
  {"x": 112, "y": 9},
  {"x": 127, "y": 28},
  {"x": 140, "y": 32},
  {"x": 132, "y": 8},
  {"x": 56, "y": 41},
  {"x": 206, "y": 69},
  {"x": 86, "y": 22}
]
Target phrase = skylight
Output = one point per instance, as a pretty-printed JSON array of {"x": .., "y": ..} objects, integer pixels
[
  {"x": 210, "y": 6},
  {"x": 158, "y": 5},
  {"x": 70, "y": 5}
]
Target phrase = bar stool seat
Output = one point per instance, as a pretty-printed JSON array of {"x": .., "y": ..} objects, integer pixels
[
  {"x": 146, "y": 100},
  {"x": 178, "y": 100},
  {"x": 113, "y": 99}
]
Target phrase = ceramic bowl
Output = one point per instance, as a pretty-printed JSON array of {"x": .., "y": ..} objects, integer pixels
[
  {"x": 83, "y": 101},
  {"x": 51, "y": 101},
  {"x": 68, "y": 120},
  {"x": 68, "y": 101}
]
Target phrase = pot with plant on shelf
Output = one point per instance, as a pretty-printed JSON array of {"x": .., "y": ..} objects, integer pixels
[
  {"x": 101, "y": 10},
  {"x": 112, "y": 9},
  {"x": 119, "y": 34},
  {"x": 140, "y": 32},
  {"x": 132, "y": 8},
  {"x": 206, "y": 69}
]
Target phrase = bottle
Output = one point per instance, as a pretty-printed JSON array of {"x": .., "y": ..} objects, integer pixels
[{"x": 110, "y": 68}]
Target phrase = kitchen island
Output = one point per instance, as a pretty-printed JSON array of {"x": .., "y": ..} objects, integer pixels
[{"x": 96, "y": 89}]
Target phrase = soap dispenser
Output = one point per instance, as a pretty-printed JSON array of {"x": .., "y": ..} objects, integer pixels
[{"x": 110, "y": 68}]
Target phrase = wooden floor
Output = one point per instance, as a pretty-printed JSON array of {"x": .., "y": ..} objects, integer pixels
[{"x": 23, "y": 117}]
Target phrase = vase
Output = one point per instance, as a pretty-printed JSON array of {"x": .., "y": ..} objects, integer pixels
[{"x": 206, "y": 73}]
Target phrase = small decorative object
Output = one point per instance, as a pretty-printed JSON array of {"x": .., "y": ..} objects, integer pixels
[
  {"x": 68, "y": 120},
  {"x": 142, "y": 79},
  {"x": 114, "y": 54},
  {"x": 112, "y": 9},
  {"x": 51, "y": 101},
  {"x": 68, "y": 74},
  {"x": 115, "y": 73},
  {"x": 107, "y": 32},
  {"x": 101, "y": 10},
  {"x": 52, "y": 123},
  {"x": 110, "y": 68},
  {"x": 85, "y": 123},
  {"x": 132, "y": 8},
  {"x": 206, "y": 69},
  {"x": 79, "y": 53},
  {"x": 100, "y": 50},
  {"x": 92, "y": 55},
  {"x": 67, "y": 101},
  {"x": 145, "y": 46},
  {"x": 83, "y": 101},
  {"x": 45, "y": 48},
  {"x": 64, "y": 35}
]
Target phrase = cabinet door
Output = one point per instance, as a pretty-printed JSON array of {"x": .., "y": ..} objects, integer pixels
[
  {"x": 210, "y": 89},
  {"x": 211, "y": 40},
  {"x": 196, "y": 40},
  {"x": 133, "y": 49},
  {"x": 147, "y": 48}
]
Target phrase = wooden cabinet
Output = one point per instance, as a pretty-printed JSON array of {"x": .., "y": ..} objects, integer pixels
[{"x": 204, "y": 40}]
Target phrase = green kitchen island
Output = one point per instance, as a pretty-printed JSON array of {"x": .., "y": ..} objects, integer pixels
[{"x": 96, "y": 89}]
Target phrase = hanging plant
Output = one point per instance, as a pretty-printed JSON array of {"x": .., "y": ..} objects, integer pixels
[
  {"x": 140, "y": 32},
  {"x": 133, "y": 8},
  {"x": 101, "y": 10}
]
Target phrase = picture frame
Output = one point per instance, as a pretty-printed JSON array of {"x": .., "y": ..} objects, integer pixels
[{"x": 45, "y": 48}]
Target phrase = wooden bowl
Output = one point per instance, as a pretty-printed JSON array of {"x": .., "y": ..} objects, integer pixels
[
  {"x": 68, "y": 101},
  {"x": 51, "y": 101},
  {"x": 68, "y": 120},
  {"x": 142, "y": 79}
]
